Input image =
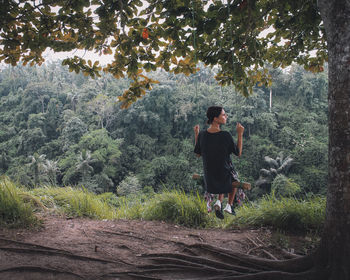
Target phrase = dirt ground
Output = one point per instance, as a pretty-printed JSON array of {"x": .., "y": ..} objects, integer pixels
[{"x": 89, "y": 249}]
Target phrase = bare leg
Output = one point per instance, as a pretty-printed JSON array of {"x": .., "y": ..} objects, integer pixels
[
  {"x": 221, "y": 197},
  {"x": 231, "y": 195}
]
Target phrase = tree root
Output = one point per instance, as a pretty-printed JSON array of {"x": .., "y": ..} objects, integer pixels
[
  {"x": 269, "y": 275},
  {"x": 183, "y": 263},
  {"x": 202, "y": 261},
  {"x": 264, "y": 248},
  {"x": 33, "y": 245},
  {"x": 215, "y": 263},
  {"x": 292, "y": 265},
  {"x": 290, "y": 255},
  {"x": 141, "y": 276},
  {"x": 57, "y": 253},
  {"x": 38, "y": 269},
  {"x": 269, "y": 254}
]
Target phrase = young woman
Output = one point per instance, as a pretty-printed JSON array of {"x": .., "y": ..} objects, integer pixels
[{"x": 215, "y": 147}]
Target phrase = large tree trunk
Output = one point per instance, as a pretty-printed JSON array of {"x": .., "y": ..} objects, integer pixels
[{"x": 335, "y": 245}]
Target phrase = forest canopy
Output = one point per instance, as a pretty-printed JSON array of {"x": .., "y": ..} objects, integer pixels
[{"x": 61, "y": 128}]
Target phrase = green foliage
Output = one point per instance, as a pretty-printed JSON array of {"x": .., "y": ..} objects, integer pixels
[
  {"x": 150, "y": 35},
  {"x": 62, "y": 117},
  {"x": 276, "y": 167},
  {"x": 284, "y": 187},
  {"x": 129, "y": 185},
  {"x": 74, "y": 202},
  {"x": 177, "y": 207},
  {"x": 288, "y": 214},
  {"x": 174, "y": 206},
  {"x": 110, "y": 198},
  {"x": 14, "y": 212}
]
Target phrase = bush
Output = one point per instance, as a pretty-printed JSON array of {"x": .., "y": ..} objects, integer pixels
[
  {"x": 177, "y": 207},
  {"x": 283, "y": 186},
  {"x": 14, "y": 212},
  {"x": 287, "y": 214},
  {"x": 129, "y": 185}
]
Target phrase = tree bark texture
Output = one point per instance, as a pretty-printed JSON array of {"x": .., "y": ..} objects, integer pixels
[{"x": 334, "y": 252}]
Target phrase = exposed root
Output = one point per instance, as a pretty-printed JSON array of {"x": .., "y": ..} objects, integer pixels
[
  {"x": 269, "y": 275},
  {"x": 271, "y": 256},
  {"x": 38, "y": 269},
  {"x": 261, "y": 246},
  {"x": 215, "y": 263},
  {"x": 195, "y": 260},
  {"x": 293, "y": 265},
  {"x": 26, "y": 244},
  {"x": 126, "y": 275},
  {"x": 289, "y": 255},
  {"x": 140, "y": 276},
  {"x": 188, "y": 264},
  {"x": 57, "y": 253}
]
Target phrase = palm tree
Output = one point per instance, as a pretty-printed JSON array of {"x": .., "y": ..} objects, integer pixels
[
  {"x": 277, "y": 166},
  {"x": 84, "y": 166},
  {"x": 51, "y": 169},
  {"x": 37, "y": 162}
]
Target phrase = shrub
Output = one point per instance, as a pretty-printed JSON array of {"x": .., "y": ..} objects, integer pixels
[
  {"x": 129, "y": 185},
  {"x": 287, "y": 214},
  {"x": 283, "y": 186},
  {"x": 177, "y": 207},
  {"x": 14, "y": 212}
]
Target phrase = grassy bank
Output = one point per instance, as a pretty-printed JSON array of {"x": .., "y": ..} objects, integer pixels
[
  {"x": 15, "y": 211},
  {"x": 288, "y": 214},
  {"x": 18, "y": 206}
]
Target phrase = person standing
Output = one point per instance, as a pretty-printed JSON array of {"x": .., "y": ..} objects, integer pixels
[{"x": 215, "y": 147}]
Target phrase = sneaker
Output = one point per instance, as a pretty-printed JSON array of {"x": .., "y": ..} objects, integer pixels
[
  {"x": 218, "y": 210},
  {"x": 228, "y": 208}
]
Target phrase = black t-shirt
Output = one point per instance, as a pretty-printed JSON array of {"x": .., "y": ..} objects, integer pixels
[{"x": 215, "y": 149}]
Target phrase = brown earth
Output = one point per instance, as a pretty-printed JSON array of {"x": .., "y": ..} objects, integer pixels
[{"x": 89, "y": 249}]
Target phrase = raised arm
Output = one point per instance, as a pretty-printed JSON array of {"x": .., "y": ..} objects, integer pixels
[
  {"x": 196, "y": 132},
  {"x": 240, "y": 130}
]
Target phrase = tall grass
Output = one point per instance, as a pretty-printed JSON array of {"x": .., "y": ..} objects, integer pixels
[
  {"x": 177, "y": 207},
  {"x": 130, "y": 207},
  {"x": 74, "y": 202},
  {"x": 17, "y": 206},
  {"x": 14, "y": 212},
  {"x": 288, "y": 214}
]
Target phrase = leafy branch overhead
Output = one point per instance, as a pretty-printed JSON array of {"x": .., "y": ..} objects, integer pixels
[{"x": 238, "y": 35}]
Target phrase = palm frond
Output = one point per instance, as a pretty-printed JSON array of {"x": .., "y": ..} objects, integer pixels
[
  {"x": 286, "y": 165},
  {"x": 271, "y": 162},
  {"x": 265, "y": 173}
]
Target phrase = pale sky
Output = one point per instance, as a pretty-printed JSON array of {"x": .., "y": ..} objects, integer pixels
[{"x": 49, "y": 55}]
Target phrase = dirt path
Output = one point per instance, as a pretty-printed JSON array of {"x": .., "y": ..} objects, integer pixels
[{"x": 89, "y": 249}]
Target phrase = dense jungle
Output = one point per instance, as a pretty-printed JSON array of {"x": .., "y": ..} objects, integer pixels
[{"x": 60, "y": 128}]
